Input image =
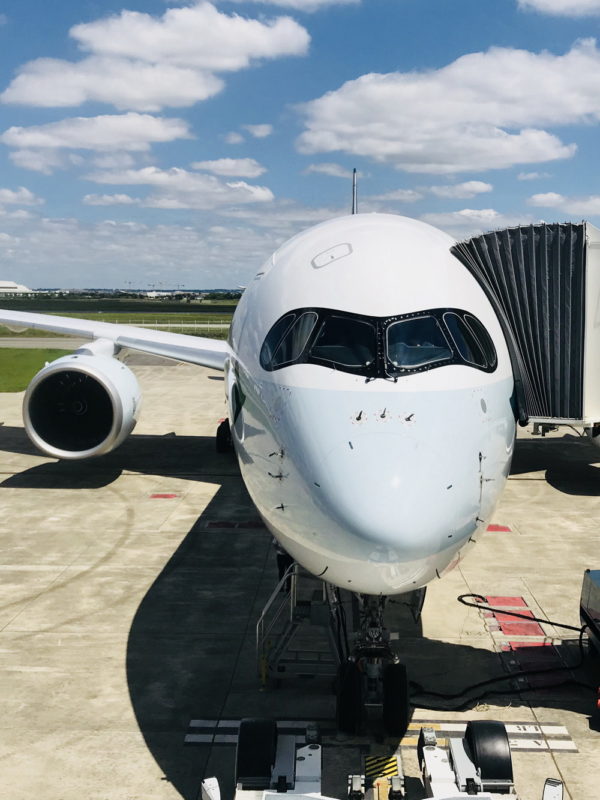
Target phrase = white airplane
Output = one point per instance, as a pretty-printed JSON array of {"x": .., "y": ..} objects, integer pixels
[{"x": 370, "y": 396}]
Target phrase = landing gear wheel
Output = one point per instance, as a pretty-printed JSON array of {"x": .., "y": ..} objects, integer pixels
[
  {"x": 396, "y": 705},
  {"x": 224, "y": 442},
  {"x": 490, "y": 751},
  {"x": 349, "y": 709}
]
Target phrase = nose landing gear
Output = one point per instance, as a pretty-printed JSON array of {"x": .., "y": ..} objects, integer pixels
[{"x": 372, "y": 675}]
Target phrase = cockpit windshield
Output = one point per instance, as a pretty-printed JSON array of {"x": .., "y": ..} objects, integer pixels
[
  {"x": 346, "y": 341},
  {"x": 384, "y": 347},
  {"x": 416, "y": 342}
]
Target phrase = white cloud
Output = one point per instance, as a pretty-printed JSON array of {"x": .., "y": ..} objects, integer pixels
[
  {"x": 18, "y": 213},
  {"x": 197, "y": 36},
  {"x": 50, "y": 82},
  {"x": 565, "y": 8},
  {"x": 20, "y": 197},
  {"x": 573, "y": 206},
  {"x": 461, "y": 190},
  {"x": 547, "y": 200},
  {"x": 231, "y": 167},
  {"x": 68, "y": 252},
  {"x": 109, "y": 200},
  {"x": 532, "y": 176},
  {"x": 469, "y": 221},
  {"x": 45, "y": 161},
  {"x": 326, "y": 168},
  {"x": 259, "y": 131},
  {"x": 178, "y": 188},
  {"x": 306, "y": 5},
  {"x": 108, "y": 132},
  {"x": 140, "y": 62},
  {"x": 284, "y": 218},
  {"x": 395, "y": 196},
  {"x": 233, "y": 137},
  {"x": 113, "y": 161},
  {"x": 483, "y": 111}
]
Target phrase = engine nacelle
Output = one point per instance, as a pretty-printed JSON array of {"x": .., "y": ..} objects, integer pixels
[{"x": 81, "y": 405}]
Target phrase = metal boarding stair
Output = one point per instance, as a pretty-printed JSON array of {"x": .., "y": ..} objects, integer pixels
[{"x": 295, "y": 617}]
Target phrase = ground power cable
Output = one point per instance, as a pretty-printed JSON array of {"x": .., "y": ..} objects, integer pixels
[{"x": 482, "y": 604}]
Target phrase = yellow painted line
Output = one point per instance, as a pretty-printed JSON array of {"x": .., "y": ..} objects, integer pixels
[{"x": 435, "y": 725}]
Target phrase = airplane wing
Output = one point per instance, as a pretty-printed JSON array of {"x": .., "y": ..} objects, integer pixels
[{"x": 193, "y": 349}]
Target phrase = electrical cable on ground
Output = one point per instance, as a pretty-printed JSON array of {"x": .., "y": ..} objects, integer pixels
[{"x": 420, "y": 690}]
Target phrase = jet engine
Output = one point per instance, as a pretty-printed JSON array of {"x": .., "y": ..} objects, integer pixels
[{"x": 81, "y": 405}]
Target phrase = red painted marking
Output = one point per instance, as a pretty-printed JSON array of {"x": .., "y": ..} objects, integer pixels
[
  {"x": 506, "y": 602},
  {"x": 222, "y": 523},
  {"x": 493, "y": 528},
  {"x": 521, "y": 629},
  {"x": 222, "y": 420},
  {"x": 508, "y": 617},
  {"x": 526, "y": 645},
  {"x": 163, "y": 496}
]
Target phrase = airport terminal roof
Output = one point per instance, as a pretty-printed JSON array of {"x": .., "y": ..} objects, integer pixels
[{"x": 10, "y": 287}]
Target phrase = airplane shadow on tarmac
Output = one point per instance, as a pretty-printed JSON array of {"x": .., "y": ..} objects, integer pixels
[
  {"x": 191, "y": 655},
  {"x": 168, "y": 455},
  {"x": 571, "y": 463},
  {"x": 190, "y": 650}
]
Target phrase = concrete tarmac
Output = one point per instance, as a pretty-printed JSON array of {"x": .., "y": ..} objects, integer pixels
[{"x": 130, "y": 587}]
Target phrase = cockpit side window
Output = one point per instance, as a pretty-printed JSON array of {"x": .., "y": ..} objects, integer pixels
[
  {"x": 484, "y": 339},
  {"x": 273, "y": 340},
  {"x": 415, "y": 342},
  {"x": 294, "y": 340},
  {"x": 346, "y": 341},
  {"x": 467, "y": 343}
]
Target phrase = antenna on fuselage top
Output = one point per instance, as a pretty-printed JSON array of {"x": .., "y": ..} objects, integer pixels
[{"x": 354, "y": 193}]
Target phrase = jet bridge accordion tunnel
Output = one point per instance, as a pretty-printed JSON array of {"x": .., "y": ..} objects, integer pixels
[{"x": 543, "y": 281}]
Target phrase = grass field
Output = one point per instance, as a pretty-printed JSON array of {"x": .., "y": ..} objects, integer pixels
[
  {"x": 81, "y": 306},
  {"x": 17, "y": 367},
  {"x": 211, "y": 325}
]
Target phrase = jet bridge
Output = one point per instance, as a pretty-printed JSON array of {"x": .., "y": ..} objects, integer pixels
[{"x": 543, "y": 281}]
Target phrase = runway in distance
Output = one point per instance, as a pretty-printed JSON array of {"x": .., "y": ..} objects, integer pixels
[{"x": 369, "y": 391}]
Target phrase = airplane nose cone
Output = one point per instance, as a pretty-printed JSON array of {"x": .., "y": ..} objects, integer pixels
[{"x": 398, "y": 492}]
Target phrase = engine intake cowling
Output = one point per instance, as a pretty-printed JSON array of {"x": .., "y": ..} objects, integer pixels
[{"x": 81, "y": 405}]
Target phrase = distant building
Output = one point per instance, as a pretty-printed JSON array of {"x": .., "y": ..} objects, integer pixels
[{"x": 9, "y": 287}]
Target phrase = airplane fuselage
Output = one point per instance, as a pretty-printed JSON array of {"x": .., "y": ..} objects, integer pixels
[{"x": 369, "y": 388}]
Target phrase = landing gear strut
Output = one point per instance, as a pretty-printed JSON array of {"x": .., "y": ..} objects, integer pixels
[{"x": 372, "y": 675}]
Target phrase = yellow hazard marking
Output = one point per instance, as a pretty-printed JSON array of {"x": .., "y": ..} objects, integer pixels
[{"x": 378, "y": 766}]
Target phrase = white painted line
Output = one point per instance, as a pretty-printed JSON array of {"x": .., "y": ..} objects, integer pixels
[
  {"x": 554, "y": 730},
  {"x": 528, "y": 744},
  {"x": 214, "y": 723},
  {"x": 223, "y": 738},
  {"x": 562, "y": 744},
  {"x": 235, "y": 723},
  {"x": 208, "y": 738}
]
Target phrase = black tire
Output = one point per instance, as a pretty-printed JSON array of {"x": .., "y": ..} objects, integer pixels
[
  {"x": 223, "y": 441},
  {"x": 255, "y": 756},
  {"x": 488, "y": 744},
  {"x": 349, "y": 707},
  {"x": 396, "y": 700}
]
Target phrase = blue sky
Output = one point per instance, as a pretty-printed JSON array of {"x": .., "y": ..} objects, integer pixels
[{"x": 150, "y": 142}]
